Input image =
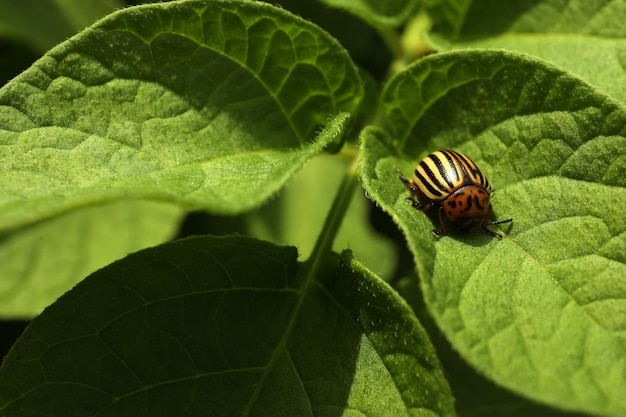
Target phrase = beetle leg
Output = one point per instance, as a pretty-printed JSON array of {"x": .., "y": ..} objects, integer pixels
[
  {"x": 416, "y": 204},
  {"x": 423, "y": 207},
  {"x": 409, "y": 184},
  {"x": 492, "y": 233},
  {"x": 501, "y": 221},
  {"x": 442, "y": 223},
  {"x": 486, "y": 223},
  {"x": 404, "y": 179}
]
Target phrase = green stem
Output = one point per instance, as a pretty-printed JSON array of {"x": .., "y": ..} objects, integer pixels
[
  {"x": 322, "y": 247},
  {"x": 335, "y": 217}
]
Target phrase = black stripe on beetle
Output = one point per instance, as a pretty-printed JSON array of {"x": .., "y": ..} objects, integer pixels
[
  {"x": 465, "y": 202},
  {"x": 430, "y": 182}
]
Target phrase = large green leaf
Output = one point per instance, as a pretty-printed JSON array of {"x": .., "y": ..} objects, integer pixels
[
  {"x": 230, "y": 327},
  {"x": 588, "y": 37},
  {"x": 41, "y": 261},
  {"x": 542, "y": 311},
  {"x": 210, "y": 104}
]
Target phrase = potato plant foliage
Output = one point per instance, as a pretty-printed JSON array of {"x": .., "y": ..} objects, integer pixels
[{"x": 200, "y": 210}]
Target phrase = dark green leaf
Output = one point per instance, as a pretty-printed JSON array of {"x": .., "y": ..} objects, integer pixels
[{"x": 226, "y": 326}]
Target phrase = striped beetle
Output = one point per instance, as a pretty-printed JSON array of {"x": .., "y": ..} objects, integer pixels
[{"x": 453, "y": 183}]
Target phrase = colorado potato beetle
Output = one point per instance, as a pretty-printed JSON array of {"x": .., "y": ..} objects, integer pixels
[{"x": 452, "y": 182}]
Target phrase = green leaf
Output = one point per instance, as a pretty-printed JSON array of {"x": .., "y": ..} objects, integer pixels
[
  {"x": 387, "y": 13},
  {"x": 588, "y": 37},
  {"x": 209, "y": 104},
  {"x": 448, "y": 15},
  {"x": 231, "y": 325},
  {"x": 542, "y": 311},
  {"x": 474, "y": 394},
  {"x": 39, "y": 262},
  {"x": 42, "y": 24}
]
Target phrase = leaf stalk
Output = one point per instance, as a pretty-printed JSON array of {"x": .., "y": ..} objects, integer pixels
[{"x": 335, "y": 215}]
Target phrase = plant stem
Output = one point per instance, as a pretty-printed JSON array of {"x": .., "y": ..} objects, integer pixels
[
  {"x": 322, "y": 247},
  {"x": 335, "y": 216}
]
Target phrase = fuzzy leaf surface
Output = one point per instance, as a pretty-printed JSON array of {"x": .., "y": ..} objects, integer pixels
[
  {"x": 232, "y": 325},
  {"x": 209, "y": 104},
  {"x": 588, "y": 37},
  {"x": 543, "y": 311}
]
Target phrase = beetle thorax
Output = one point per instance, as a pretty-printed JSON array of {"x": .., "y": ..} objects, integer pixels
[{"x": 467, "y": 206}]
